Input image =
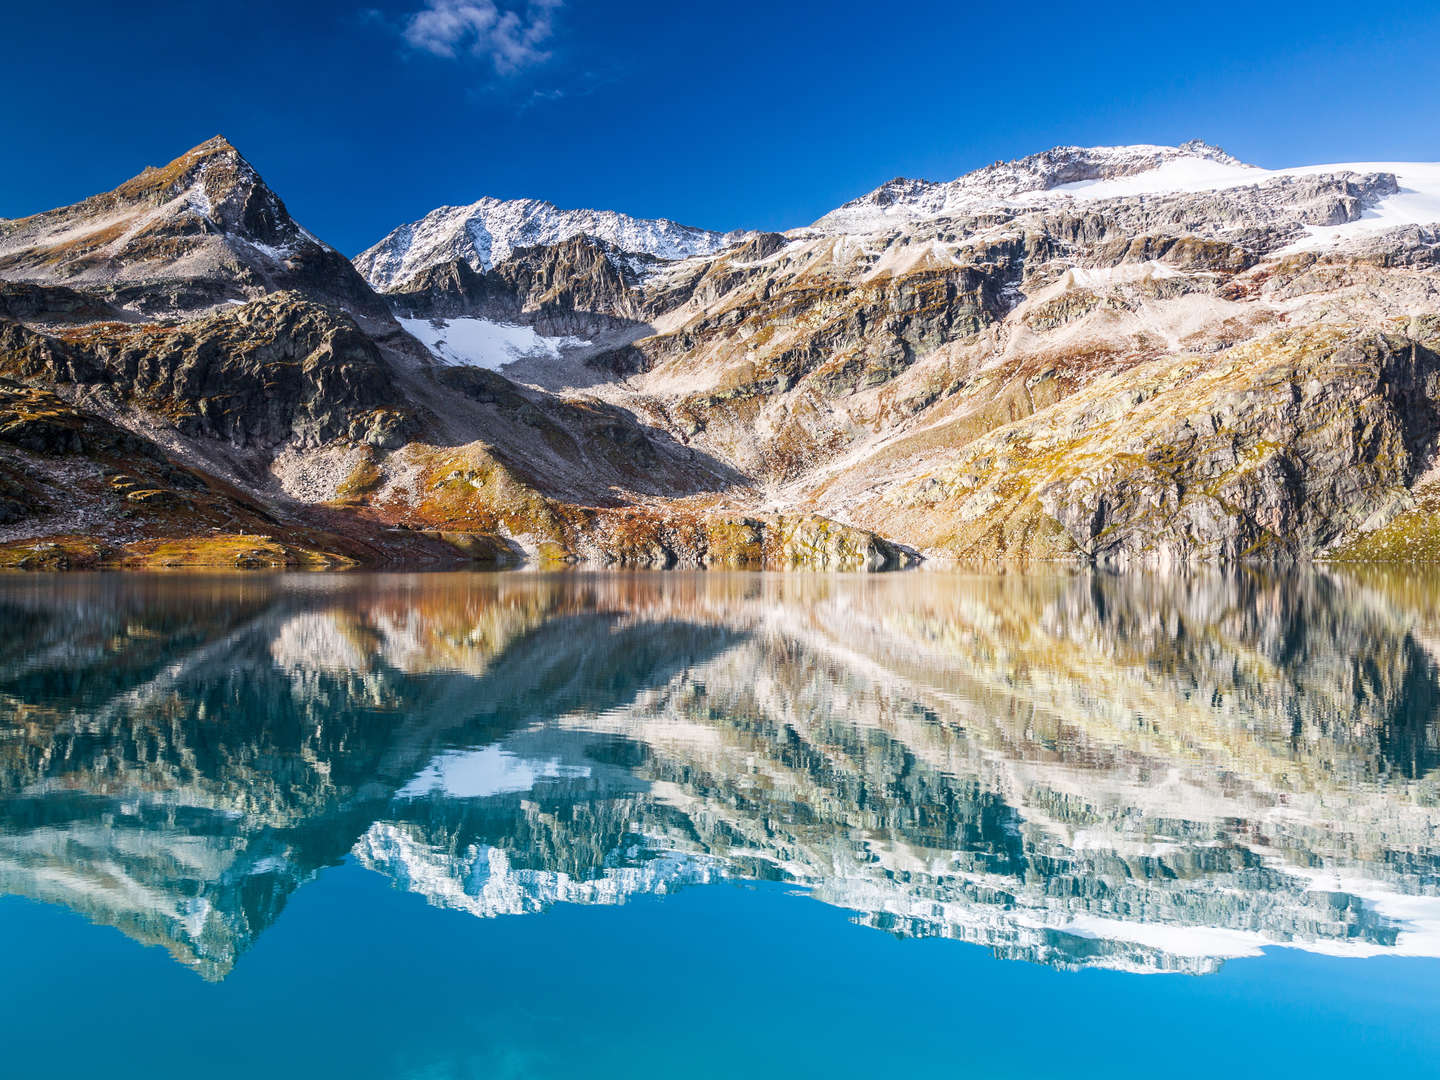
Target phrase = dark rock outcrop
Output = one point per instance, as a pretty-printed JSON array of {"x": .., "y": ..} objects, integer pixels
[
  {"x": 277, "y": 370},
  {"x": 579, "y": 287}
]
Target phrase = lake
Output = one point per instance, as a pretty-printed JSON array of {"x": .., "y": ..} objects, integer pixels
[{"x": 718, "y": 825}]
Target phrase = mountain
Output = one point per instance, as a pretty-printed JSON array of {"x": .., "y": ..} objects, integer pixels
[
  {"x": 486, "y": 233},
  {"x": 199, "y": 231},
  {"x": 212, "y": 385},
  {"x": 1123, "y": 356}
]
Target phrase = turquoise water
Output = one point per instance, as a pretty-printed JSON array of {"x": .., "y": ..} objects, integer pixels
[{"x": 719, "y": 825}]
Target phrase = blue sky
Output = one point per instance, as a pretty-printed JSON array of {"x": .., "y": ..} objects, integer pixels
[{"x": 365, "y": 115}]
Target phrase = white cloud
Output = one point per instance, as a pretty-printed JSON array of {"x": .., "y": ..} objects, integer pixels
[{"x": 508, "y": 39}]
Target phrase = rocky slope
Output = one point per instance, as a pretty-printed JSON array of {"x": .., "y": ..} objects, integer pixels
[{"x": 1121, "y": 355}]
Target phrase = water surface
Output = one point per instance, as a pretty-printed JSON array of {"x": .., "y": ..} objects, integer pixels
[{"x": 715, "y": 824}]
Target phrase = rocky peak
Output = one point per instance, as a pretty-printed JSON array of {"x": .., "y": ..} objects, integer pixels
[
  {"x": 1072, "y": 164},
  {"x": 490, "y": 231},
  {"x": 185, "y": 236},
  {"x": 218, "y": 183}
]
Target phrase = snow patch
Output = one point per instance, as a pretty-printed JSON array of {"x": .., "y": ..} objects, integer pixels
[
  {"x": 1417, "y": 917},
  {"x": 485, "y": 344},
  {"x": 1416, "y": 203},
  {"x": 1105, "y": 276},
  {"x": 1179, "y": 175},
  {"x": 1196, "y": 942}
]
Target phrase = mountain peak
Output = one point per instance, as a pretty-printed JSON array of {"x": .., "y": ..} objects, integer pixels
[
  {"x": 220, "y": 184},
  {"x": 487, "y": 231},
  {"x": 1023, "y": 179},
  {"x": 216, "y": 146},
  {"x": 1200, "y": 148},
  {"x": 206, "y": 219}
]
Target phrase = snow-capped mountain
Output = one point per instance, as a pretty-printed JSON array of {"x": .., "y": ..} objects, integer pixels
[
  {"x": 484, "y": 234},
  {"x": 1006, "y": 183},
  {"x": 1070, "y": 174}
]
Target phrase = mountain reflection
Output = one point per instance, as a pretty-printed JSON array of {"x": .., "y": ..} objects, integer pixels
[{"x": 1135, "y": 772}]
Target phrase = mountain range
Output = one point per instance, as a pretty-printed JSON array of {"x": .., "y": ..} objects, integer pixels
[{"x": 1139, "y": 355}]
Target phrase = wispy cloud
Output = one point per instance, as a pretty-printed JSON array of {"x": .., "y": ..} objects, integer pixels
[{"x": 510, "y": 39}]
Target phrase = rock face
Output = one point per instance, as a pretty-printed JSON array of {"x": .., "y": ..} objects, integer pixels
[
  {"x": 1120, "y": 355},
  {"x": 582, "y": 286},
  {"x": 280, "y": 369},
  {"x": 1276, "y": 449}
]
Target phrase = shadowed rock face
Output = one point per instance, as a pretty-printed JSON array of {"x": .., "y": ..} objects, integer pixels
[
  {"x": 278, "y": 370},
  {"x": 1133, "y": 772},
  {"x": 582, "y": 286}
]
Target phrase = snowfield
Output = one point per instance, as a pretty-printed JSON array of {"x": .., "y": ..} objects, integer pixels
[
  {"x": 1416, "y": 203},
  {"x": 485, "y": 344},
  {"x": 1134, "y": 171},
  {"x": 1186, "y": 174}
]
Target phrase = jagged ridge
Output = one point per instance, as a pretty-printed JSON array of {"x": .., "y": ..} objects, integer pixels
[{"x": 486, "y": 232}]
